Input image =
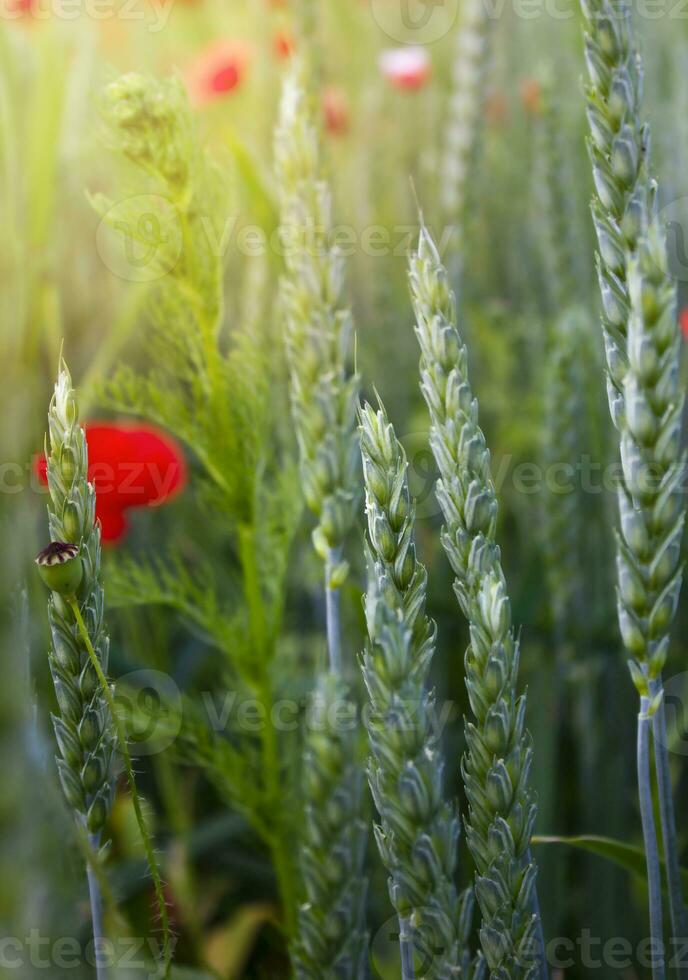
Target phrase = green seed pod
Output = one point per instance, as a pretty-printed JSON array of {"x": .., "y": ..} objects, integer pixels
[{"x": 60, "y": 567}]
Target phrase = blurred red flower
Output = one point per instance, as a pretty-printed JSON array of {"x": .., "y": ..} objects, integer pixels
[
  {"x": 335, "y": 109},
  {"x": 21, "y": 8},
  {"x": 130, "y": 465},
  {"x": 218, "y": 69},
  {"x": 683, "y": 321},
  {"x": 496, "y": 107},
  {"x": 531, "y": 95},
  {"x": 406, "y": 68},
  {"x": 283, "y": 45}
]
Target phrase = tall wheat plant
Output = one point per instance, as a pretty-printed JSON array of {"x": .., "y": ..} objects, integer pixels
[
  {"x": 501, "y": 808},
  {"x": 332, "y": 939},
  {"x": 419, "y": 830},
  {"x": 87, "y": 726},
  {"x": 642, "y": 345}
]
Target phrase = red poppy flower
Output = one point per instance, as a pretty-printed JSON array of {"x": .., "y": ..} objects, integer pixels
[
  {"x": 283, "y": 45},
  {"x": 218, "y": 70},
  {"x": 406, "y": 68},
  {"x": 130, "y": 465},
  {"x": 683, "y": 321},
  {"x": 335, "y": 109}
]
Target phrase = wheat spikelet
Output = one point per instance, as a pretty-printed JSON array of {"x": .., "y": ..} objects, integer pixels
[
  {"x": 331, "y": 940},
  {"x": 642, "y": 345},
  {"x": 496, "y": 766},
  {"x": 419, "y": 830}
]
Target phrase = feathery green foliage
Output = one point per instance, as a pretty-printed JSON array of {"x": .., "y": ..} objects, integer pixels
[
  {"x": 317, "y": 327},
  {"x": 419, "y": 830},
  {"x": 642, "y": 343},
  {"x": 218, "y": 398},
  {"x": 495, "y": 769}
]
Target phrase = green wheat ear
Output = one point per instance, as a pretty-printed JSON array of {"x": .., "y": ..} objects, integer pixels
[
  {"x": 418, "y": 833},
  {"x": 501, "y": 810},
  {"x": 642, "y": 347},
  {"x": 87, "y": 726},
  {"x": 324, "y": 392},
  {"x": 332, "y": 939},
  {"x": 82, "y": 727}
]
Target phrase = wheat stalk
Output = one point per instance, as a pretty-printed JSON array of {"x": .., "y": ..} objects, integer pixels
[
  {"x": 642, "y": 345},
  {"x": 466, "y": 102},
  {"x": 498, "y": 759},
  {"x": 419, "y": 830},
  {"x": 70, "y": 566},
  {"x": 332, "y": 940}
]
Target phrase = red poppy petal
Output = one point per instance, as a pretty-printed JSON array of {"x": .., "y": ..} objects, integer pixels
[
  {"x": 683, "y": 321},
  {"x": 40, "y": 468},
  {"x": 113, "y": 524},
  {"x": 130, "y": 465},
  {"x": 136, "y": 464}
]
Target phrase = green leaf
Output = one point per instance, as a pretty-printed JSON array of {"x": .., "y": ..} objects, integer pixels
[{"x": 627, "y": 856}]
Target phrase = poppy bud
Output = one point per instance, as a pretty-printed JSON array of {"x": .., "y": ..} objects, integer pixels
[{"x": 60, "y": 567}]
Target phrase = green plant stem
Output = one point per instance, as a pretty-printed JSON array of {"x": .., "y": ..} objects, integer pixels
[
  {"x": 283, "y": 866},
  {"x": 334, "y": 639},
  {"x": 124, "y": 749},
  {"x": 262, "y": 643},
  {"x": 654, "y": 881},
  {"x": 96, "y": 900},
  {"x": 677, "y": 910},
  {"x": 406, "y": 949}
]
